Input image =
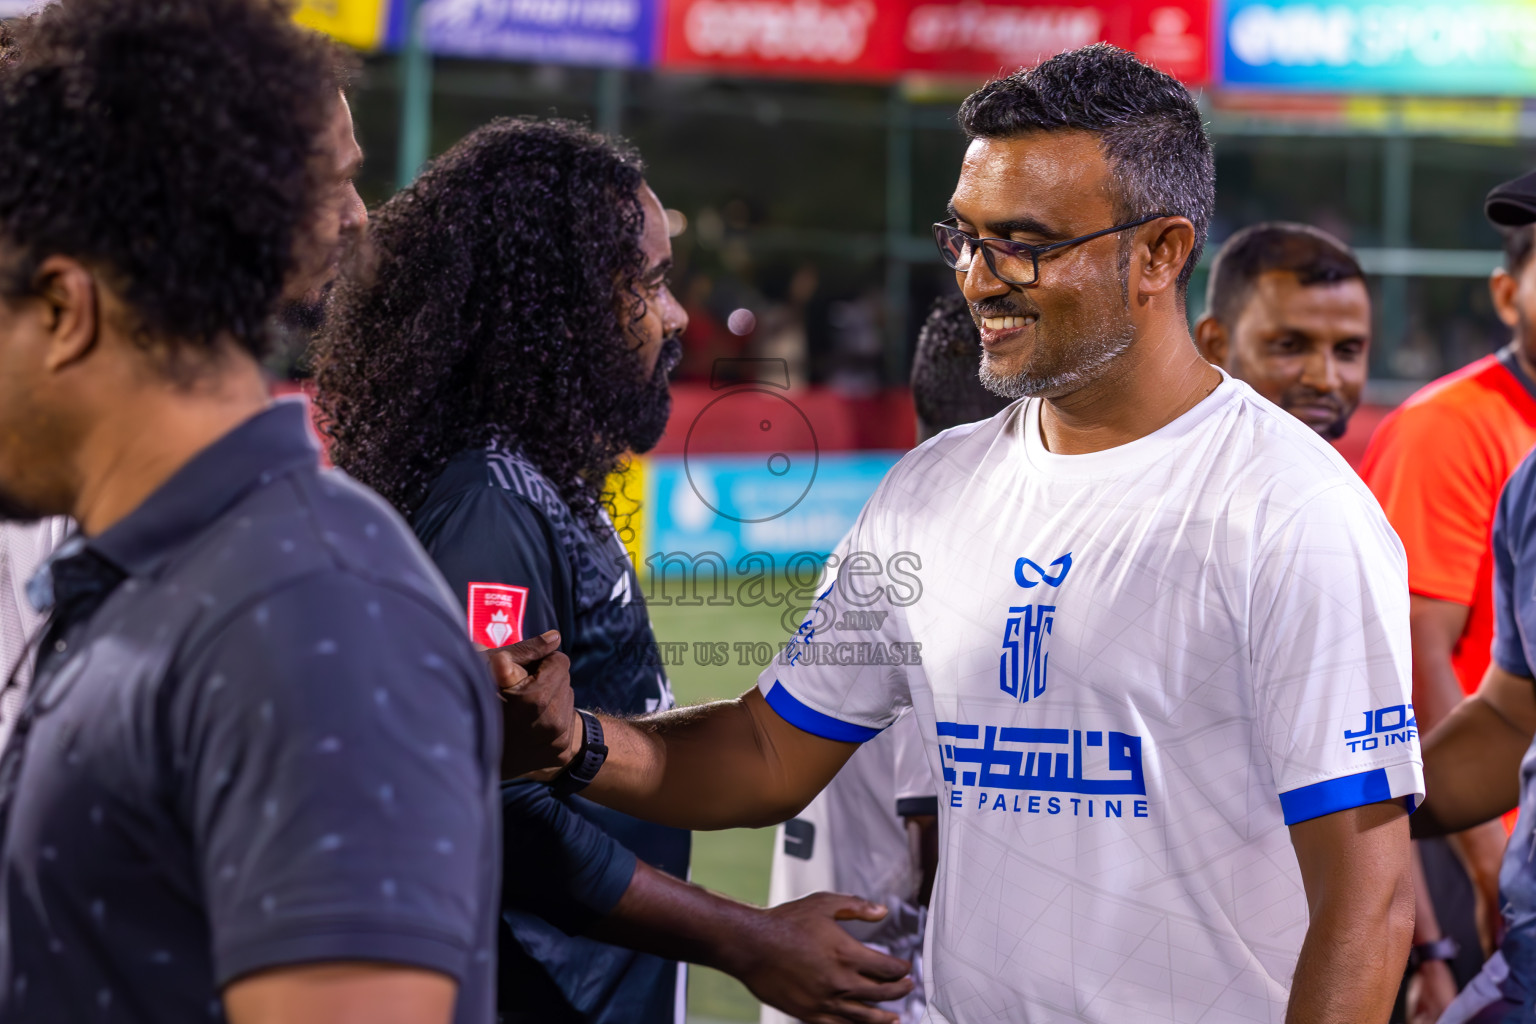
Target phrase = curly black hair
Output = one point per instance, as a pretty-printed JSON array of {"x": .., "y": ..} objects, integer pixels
[
  {"x": 10, "y": 45},
  {"x": 1149, "y": 128},
  {"x": 175, "y": 146},
  {"x": 946, "y": 379},
  {"x": 498, "y": 306}
]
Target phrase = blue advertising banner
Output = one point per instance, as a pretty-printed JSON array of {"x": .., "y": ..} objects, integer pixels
[
  {"x": 607, "y": 33},
  {"x": 1423, "y": 46},
  {"x": 708, "y": 513}
]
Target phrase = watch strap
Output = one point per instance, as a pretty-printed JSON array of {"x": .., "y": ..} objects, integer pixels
[
  {"x": 584, "y": 767},
  {"x": 1444, "y": 948}
]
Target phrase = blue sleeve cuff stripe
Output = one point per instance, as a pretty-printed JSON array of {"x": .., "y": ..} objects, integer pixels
[
  {"x": 814, "y": 722},
  {"x": 1330, "y": 795}
]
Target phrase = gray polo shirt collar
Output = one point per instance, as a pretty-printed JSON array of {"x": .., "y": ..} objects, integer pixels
[{"x": 271, "y": 443}]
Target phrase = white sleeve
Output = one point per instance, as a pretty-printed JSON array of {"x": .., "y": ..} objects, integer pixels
[
  {"x": 843, "y": 676},
  {"x": 916, "y": 792},
  {"x": 1331, "y": 658}
]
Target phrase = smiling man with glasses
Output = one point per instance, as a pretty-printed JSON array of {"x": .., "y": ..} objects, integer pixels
[{"x": 1163, "y": 628}]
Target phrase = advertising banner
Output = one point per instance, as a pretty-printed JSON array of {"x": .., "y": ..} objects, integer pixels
[
  {"x": 823, "y": 38},
  {"x": 715, "y": 510},
  {"x": 984, "y": 39},
  {"x": 606, "y": 33},
  {"x": 1424, "y": 46},
  {"x": 881, "y": 39},
  {"x": 363, "y": 24}
]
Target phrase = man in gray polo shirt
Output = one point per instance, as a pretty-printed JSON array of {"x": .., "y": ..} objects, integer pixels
[{"x": 255, "y": 778}]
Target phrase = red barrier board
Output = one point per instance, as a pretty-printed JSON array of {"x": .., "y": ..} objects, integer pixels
[{"x": 883, "y": 39}]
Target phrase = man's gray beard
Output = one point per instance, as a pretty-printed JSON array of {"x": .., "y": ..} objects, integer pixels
[{"x": 1092, "y": 362}]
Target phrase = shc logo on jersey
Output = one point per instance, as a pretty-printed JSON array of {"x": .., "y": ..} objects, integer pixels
[
  {"x": 1083, "y": 764},
  {"x": 496, "y": 613},
  {"x": 1022, "y": 667}
]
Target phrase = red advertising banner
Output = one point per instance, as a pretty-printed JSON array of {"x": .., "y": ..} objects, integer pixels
[
  {"x": 818, "y": 38},
  {"x": 882, "y": 39}
]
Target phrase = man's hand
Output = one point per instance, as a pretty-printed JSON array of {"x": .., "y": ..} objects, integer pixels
[
  {"x": 795, "y": 957},
  {"x": 1430, "y": 991},
  {"x": 540, "y": 727},
  {"x": 798, "y": 959}
]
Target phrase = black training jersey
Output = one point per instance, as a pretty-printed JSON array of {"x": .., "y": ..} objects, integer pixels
[{"x": 522, "y": 563}]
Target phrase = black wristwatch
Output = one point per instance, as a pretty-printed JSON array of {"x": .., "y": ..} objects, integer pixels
[
  {"x": 1441, "y": 949},
  {"x": 577, "y": 775}
]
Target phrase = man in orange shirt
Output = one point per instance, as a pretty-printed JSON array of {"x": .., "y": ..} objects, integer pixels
[{"x": 1437, "y": 464}]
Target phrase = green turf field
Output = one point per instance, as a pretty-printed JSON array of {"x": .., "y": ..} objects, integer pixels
[{"x": 734, "y": 862}]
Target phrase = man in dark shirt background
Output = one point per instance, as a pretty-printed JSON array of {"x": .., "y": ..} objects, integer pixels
[
  {"x": 513, "y": 344},
  {"x": 255, "y": 776},
  {"x": 1480, "y": 762}
]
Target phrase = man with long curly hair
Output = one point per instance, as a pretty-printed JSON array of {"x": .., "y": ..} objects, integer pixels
[
  {"x": 255, "y": 778},
  {"x": 512, "y": 343}
]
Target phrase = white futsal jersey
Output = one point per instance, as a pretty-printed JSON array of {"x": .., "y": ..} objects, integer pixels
[{"x": 1134, "y": 668}]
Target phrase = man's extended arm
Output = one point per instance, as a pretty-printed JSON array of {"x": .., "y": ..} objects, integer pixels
[
  {"x": 1436, "y": 628},
  {"x": 1472, "y": 760},
  {"x": 728, "y": 764},
  {"x": 341, "y": 993},
  {"x": 1356, "y": 870}
]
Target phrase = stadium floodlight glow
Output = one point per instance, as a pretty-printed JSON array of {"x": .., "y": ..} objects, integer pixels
[{"x": 1006, "y": 258}]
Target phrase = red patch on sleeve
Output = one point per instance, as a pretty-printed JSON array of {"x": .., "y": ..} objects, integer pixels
[{"x": 496, "y": 613}]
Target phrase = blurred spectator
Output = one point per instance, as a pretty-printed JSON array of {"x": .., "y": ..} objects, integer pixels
[
  {"x": 1287, "y": 312},
  {"x": 1437, "y": 465},
  {"x": 706, "y": 339},
  {"x": 781, "y": 334},
  {"x": 856, "y": 365}
]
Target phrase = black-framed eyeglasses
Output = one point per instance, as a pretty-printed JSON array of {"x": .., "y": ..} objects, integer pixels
[{"x": 1011, "y": 262}]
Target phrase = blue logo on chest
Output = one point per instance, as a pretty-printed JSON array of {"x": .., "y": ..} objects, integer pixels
[{"x": 1023, "y": 664}]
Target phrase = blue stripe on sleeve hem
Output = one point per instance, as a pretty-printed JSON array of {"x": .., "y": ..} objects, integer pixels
[
  {"x": 1340, "y": 794},
  {"x": 810, "y": 720}
]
